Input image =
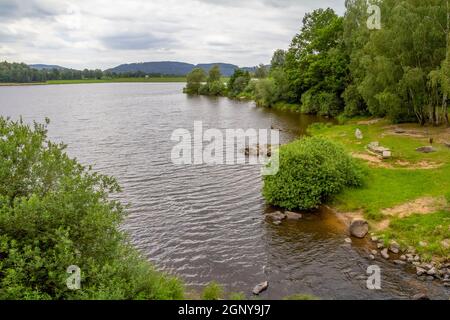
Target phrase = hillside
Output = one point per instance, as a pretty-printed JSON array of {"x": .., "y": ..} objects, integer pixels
[{"x": 173, "y": 68}]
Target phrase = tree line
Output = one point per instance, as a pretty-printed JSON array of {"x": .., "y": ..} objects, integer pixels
[
  {"x": 337, "y": 66},
  {"x": 22, "y": 73}
]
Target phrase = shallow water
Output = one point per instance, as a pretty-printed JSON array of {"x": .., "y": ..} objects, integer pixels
[{"x": 204, "y": 222}]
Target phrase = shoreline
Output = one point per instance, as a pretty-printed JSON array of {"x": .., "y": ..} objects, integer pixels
[{"x": 91, "y": 81}]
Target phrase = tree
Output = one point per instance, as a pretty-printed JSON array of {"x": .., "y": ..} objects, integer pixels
[
  {"x": 261, "y": 72},
  {"x": 278, "y": 59},
  {"x": 56, "y": 213},
  {"x": 238, "y": 82},
  {"x": 317, "y": 64},
  {"x": 214, "y": 74},
  {"x": 194, "y": 81}
]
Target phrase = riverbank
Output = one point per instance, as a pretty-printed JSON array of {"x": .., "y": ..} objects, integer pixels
[
  {"x": 112, "y": 80},
  {"x": 406, "y": 197}
]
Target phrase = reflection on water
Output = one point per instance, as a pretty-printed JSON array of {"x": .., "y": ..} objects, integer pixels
[{"x": 204, "y": 222}]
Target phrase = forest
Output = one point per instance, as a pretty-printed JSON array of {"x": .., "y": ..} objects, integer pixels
[{"x": 338, "y": 66}]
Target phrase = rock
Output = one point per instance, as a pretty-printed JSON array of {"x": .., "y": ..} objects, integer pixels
[
  {"x": 420, "y": 271},
  {"x": 432, "y": 271},
  {"x": 403, "y": 257},
  {"x": 359, "y": 228},
  {"x": 417, "y": 264},
  {"x": 445, "y": 243},
  {"x": 416, "y": 258},
  {"x": 293, "y": 215},
  {"x": 276, "y": 223},
  {"x": 447, "y": 144},
  {"x": 430, "y": 278},
  {"x": 359, "y": 134},
  {"x": 399, "y": 262},
  {"x": 276, "y": 216},
  {"x": 375, "y": 147},
  {"x": 380, "y": 246},
  {"x": 374, "y": 239},
  {"x": 371, "y": 257},
  {"x": 426, "y": 149},
  {"x": 348, "y": 240},
  {"x": 447, "y": 284},
  {"x": 260, "y": 288},
  {"x": 394, "y": 247},
  {"x": 374, "y": 252},
  {"x": 384, "y": 254},
  {"x": 411, "y": 250},
  {"x": 399, "y": 131},
  {"x": 420, "y": 296}
]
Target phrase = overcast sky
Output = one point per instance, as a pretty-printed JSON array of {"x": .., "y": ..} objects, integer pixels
[{"x": 105, "y": 33}]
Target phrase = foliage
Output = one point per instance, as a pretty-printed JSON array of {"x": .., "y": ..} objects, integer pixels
[
  {"x": 261, "y": 72},
  {"x": 311, "y": 170},
  {"x": 212, "y": 291},
  {"x": 278, "y": 59},
  {"x": 195, "y": 80},
  {"x": 238, "y": 82},
  {"x": 55, "y": 213}
]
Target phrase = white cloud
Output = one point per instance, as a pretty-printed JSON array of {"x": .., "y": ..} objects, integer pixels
[{"x": 105, "y": 33}]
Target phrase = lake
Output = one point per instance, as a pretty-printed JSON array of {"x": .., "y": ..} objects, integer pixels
[{"x": 204, "y": 222}]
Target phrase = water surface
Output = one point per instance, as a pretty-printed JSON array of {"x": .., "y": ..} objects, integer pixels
[{"x": 204, "y": 222}]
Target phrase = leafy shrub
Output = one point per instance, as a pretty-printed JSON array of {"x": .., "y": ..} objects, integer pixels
[
  {"x": 212, "y": 291},
  {"x": 238, "y": 82},
  {"x": 311, "y": 170},
  {"x": 55, "y": 213},
  {"x": 194, "y": 81}
]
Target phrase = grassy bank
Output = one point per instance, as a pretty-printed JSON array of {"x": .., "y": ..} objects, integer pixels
[
  {"x": 406, "y": 197},
  {"x": 111, "y": 80}
]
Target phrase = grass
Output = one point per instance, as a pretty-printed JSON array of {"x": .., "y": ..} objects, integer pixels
[
  {"x": 394, "y": 184},
  {"x": 411, "y": 231}
]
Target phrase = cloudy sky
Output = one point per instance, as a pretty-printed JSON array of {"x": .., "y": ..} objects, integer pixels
[{"x": 105, "y": 33}]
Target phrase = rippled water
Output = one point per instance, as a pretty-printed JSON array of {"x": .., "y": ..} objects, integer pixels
[{"x": 204, "y": 222}]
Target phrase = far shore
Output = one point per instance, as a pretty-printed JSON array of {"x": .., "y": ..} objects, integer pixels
[{"x": 115, "y": 80}]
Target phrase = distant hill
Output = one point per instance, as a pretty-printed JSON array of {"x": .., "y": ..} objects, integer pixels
[
  {"x": 46, "y": 67},
  {"x": 174, "y": 68}
]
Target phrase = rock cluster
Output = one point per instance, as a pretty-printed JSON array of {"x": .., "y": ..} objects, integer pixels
[
  {"x": 277, "y": 217},
  {"x": 426, "y": 149},
  {"x": 426, "y": 271},
  {"x": 383, "y": 152}
]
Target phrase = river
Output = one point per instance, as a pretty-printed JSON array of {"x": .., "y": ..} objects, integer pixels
[{"x": 204, "y": 222}]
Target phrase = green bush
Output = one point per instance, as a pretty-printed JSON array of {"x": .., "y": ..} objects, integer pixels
[
  {"x": 55, "y": 213},
  {"x": 311, "y": 170},
  {"x": 212, "y": 291}
]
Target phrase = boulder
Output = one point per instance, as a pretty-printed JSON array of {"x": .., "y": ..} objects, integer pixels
[
  {"x": 293, "y": 215},
  {"x": 276, "y": 216},
  {"x": 394, "y": 247},
  {"x": 426, "y": 149},
  {"x": 359, "y": 228},
  {"x": 400, "y": 262},
  {"x": 375, "y": 147},
  {"x": 260, "y": 288},
  {"x": 420, "y": 271},
  {"x": 384, "y": 254},
  {"x": 359, "y": 134}
]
